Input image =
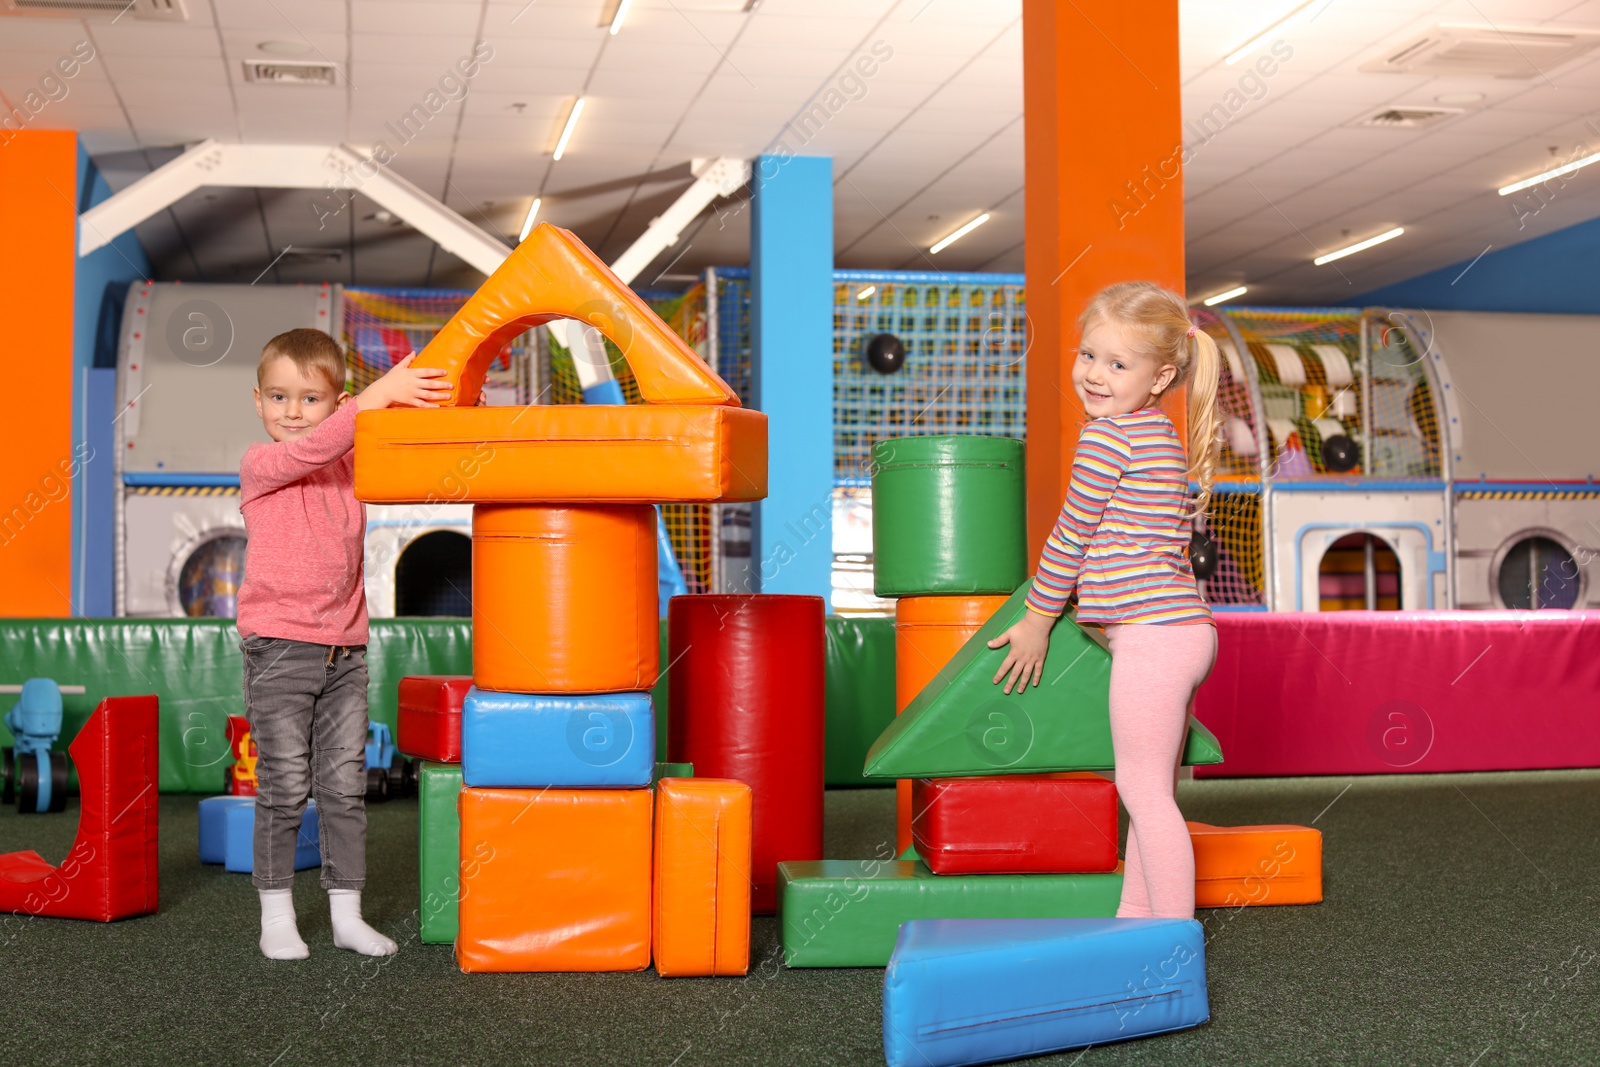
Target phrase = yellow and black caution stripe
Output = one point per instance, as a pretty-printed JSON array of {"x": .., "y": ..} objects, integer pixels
[
  {"x": 183, "y": 490},
  {"x": 1528, "y": 494}
]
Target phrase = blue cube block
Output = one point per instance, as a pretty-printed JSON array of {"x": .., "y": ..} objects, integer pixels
[
  {"x": 962, "y": 991},
  {"x": 239, "y": 838},
  {"x": 525, "y": 740},
  {"x": 214, "y": 825}
]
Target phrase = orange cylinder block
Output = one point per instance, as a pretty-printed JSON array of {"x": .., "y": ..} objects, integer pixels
[
  {"x": 928, "y": 632},
  {"x": 702, "y": 878},
  {"x": 554, "y": 880},
  {"x": 1238, "y": 865},
  {"x": 564, "y": 599}
]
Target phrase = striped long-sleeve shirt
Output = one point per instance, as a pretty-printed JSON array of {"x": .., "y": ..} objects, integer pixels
[{"x": 1122, "y": 540}]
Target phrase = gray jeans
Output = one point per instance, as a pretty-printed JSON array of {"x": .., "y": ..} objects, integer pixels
[{"x": 307, "y": 706}]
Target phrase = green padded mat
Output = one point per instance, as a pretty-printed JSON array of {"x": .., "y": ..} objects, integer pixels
[
  {"x": 194, "y": 667},
  {"x": 439, "y": 852},
  {"x": 963, "y": 724}
]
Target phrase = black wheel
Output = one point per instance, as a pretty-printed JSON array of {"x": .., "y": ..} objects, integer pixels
[
  {"x": 27, "y": 784},
  {"x": 58, "y": 781},
  {"x": 411, "y": 777},
  {"x": 8, "y": 775},
  {"x": 377, "y": 784},
  {"x": 397, "y": 777}
]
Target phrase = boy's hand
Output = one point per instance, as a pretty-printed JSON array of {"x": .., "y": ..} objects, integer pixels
[
  {"x": 406, "y": 386},
  {"x": 1029, "y": 638}
]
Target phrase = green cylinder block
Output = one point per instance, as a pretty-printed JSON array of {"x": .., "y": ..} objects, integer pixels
[{"x": 949, "y": 516}]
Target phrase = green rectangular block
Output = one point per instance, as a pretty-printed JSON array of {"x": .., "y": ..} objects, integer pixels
[
  {"x": 847, "y": 913},
  {"x": 963, "y": 724},
  {"x": 439, "y": 851}
]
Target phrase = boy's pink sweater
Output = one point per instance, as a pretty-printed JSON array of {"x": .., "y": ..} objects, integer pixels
[{"x": 306, "y": 533}]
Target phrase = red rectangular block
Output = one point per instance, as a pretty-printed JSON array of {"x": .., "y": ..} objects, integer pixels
[
  {"x": 429, "y": 725},
  {"x": 1016, "y": 824}
]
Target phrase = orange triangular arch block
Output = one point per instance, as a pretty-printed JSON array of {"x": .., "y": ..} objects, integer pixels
[{"x": 552, "y": 275}]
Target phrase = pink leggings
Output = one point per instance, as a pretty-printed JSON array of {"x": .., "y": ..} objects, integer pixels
[{"x": 1154, "y": 673}]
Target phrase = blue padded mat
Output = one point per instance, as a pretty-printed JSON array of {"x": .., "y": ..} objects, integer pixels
[
  {"x": 961, "y": 991},
  {"x": 239, "y": 832}
]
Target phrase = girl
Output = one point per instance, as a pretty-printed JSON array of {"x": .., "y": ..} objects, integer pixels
[{"x": 1121, "y": 545}]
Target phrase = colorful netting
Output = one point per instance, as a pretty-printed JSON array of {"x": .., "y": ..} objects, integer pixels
[{"x": 381, "y": 326}]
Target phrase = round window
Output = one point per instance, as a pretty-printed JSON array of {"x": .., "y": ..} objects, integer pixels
[
  {"x": 208, "y": 583},
  {"x": 1538, "y": 572}
]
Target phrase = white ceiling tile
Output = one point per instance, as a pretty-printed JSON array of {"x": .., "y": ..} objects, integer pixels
[{"x": 150, "y": 39}]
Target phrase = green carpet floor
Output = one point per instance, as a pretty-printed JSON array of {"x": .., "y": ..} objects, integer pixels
[{"x": 1461, "y": 926}]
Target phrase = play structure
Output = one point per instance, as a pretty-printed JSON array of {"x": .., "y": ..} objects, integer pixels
[
  {"x": 111, "y": 870},
  {"x": 556, "y": 806},
  {"x": 1371, "y": 461}
]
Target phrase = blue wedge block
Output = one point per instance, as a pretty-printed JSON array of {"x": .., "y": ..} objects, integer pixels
[
  {"x": 962, "y": 991},
  {"x": 239, "y": 838},
  {"x": 525, "y": 740}
]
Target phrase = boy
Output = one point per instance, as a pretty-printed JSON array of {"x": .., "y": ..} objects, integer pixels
[{"x": 303, "y": 626}]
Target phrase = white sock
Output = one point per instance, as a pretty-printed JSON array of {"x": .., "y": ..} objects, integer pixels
[
  {"x": 280, "y": 938},
  {"x": 350, "y": 930}
]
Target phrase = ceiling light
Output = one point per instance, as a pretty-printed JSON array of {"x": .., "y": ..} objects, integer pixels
[
  {"x": 1213, "y": 301},
  {"x": 868, "y": 291},
  {"x": 1537, "y": 179},
  {"x": 1256, "y": 39},
  {"x": 1359, "y": 246},
  {"x": 572, "y": 122},
  {"x": 527, "y": 223},
  {"x": 962, "y": 232},
  {"x": 616, "y": 20}
]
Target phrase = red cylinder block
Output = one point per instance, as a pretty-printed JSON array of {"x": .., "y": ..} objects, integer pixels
[{"x": 745, "y": 701}]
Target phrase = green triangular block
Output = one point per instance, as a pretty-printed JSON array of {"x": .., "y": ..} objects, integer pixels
[{"x": 963, "y": 724}]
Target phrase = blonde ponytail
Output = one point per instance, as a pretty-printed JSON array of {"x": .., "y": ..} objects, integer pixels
[
  {"x": 1162, "y": 316},
  {"x": 1205, "y": 424}
]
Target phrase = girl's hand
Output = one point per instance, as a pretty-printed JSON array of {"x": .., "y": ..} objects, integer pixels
[
  {"x": 406, "y": 386},
  {"x": 1029, "y": 639}
]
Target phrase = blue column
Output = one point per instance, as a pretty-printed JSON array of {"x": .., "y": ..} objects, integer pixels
[{"x": 791, "y": 325}]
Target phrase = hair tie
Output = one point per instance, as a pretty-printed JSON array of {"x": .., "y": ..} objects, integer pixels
[{"x": 1191, "y": 330}]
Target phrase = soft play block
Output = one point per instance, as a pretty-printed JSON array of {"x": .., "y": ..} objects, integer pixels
[
  {"x": 1237, "y": 865},
  {"x": 239, "y": 834},
  {"x": 607, "y": 740},
  {"x": 555, "y": 880},
  {"x": 701, "y": 916},
  {"x": 962, "y": 724},
  {"x": 111, "y": 871},
  {"x": 439, "y": 850},
  {"x": 845, "y": 913},
  {"x": 553, "y": 275},
  {"x": 1016, "y": 824},
  {"x": 214, "y": 825},
  {"x": 960, "y": 991},
  {"x": 429, "y": 724},
  {"x": 565, "y": 599},
  {"x": 562, "y": 454}
]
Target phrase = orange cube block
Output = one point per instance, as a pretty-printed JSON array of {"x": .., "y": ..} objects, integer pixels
[
  {"x": 702, "y": 877},
  {"x": 1239, "y": 865},
  {"x": 565, "y": 599},
  {"x": 554, "y": 880}
]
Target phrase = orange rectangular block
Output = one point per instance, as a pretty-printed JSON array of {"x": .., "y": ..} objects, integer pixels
[
  {"x": 702, "y": 877},
  {"x": 561, "y": 454},
  {"x": 554, "y": 880},
  {"x": 1239, "y": 865}
]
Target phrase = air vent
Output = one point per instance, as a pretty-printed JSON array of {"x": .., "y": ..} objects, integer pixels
[
  {"x": 278, "y": 72},
  {"x": 1450, "y": 50},
  {"x": 313, "y": 255},
  {"x": 159, "y": 10},
  {"x": 1406, "y": 118}
]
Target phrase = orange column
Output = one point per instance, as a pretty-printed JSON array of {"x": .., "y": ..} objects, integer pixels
[
  {"x": 38, "y": 261},
  {"x": 1104, "y": 203}
]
